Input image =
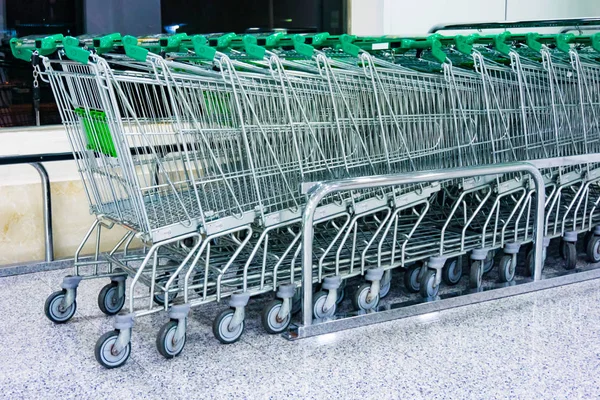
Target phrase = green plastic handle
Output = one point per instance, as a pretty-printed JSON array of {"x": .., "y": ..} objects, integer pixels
[
  {"x": 133, "y": 50},
  {"x": 174, "y": 41},
  {"x": 348, "y": 47},
  {"x": 596, "y": 41},
  {"x": 319, "y": 38},
  {"x": 106, "y": 43},
  {"x": 74, "y": 52},
  {"x": 432, "y": 43},
  {"x": 302, "y": 48},
  {"x": 202, "y": 49},
  {"x": 20, "y": 52},
  {"x": 252, "y": 49},
  {"x": 224, "y": 41},
  {"x": 500, "y": 43},
  {"x": 563, "y": 40},
  {"x": 48, "y": 45},
  {"x": 532, "y": 41},
  {"x": 271, "y": 40}
]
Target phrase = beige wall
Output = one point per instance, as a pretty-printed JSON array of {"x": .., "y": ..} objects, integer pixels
[{"x": 21, "y": 208}]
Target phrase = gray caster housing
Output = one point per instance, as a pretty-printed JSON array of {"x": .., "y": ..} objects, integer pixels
[
  {"x": 324, "y": 301},
  {"x": 112, "y": 296},
  {"x": 366, "y": 296},
  {"x": 386, "y": 284},
  {"x": 478, "y": 257},
  {"x": 172, "y": 335},
  {"x": 508, "y": 263},
  {"x": 432, "y": 278},
  {"x": 61, "y": 305},
  {"x": 229, "y": 325},
  {"x": 277, "y": 314},
  {"x": 114, "y": 348}
]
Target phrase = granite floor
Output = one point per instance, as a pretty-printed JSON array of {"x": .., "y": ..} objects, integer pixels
[{"x": 538, "y": 345}]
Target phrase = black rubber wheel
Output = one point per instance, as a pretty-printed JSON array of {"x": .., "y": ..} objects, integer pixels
[
  {"x": 165, "y": 340},
  {"x": 297, "y": 301},
  {"x": 452, "y": 271},
  {"x": 103, "y": 351},
  {"x": 319, "y": 300},
  {"x": 570, "y": 255},
  {"x": 108, "y": 299},
  {"x": 341, "y": 294},
  {"x": 475, "y": 274},
  {"x": 360, "y": 299},
  {"x": 52, "y": 308},
  {"x": 593, "y": 249},
  {"x": 529, "y": 260},
  {"x": 506, "y": 268},
  {"x": 488, "y": 263},
  {"x": 561, "y": 249},
  {"x": 270, "y": 320},
  {"x": 428, "y": 287},
  {"x": 159, "y": 297},
  {"x": 221, "y": 327},
  {"x": 411, "y": 279}
]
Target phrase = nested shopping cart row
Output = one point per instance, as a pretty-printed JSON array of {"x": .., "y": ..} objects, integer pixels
[{"x": 199, "y": 146}]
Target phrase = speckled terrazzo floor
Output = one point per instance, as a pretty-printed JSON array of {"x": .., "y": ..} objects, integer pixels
[{"x": 539, "y": 345}]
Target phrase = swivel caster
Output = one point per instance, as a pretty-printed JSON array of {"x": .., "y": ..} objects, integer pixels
[
  {"x": 171, "y": 337},
  {"x": 428, "y": 287},
  {"x": 478, "y": 258},
  {"x": 412, "y": 281},
  {"x": 61, "y": 305},
  {"x": 366, "y": 296},
  {"x": 593, "y": 249},
  {"x": 229, "y": 324},
  {"x": 324, "y": 301},
  {"x": 112, "y": 296},
  {"x": 159, "y": 295},
  {"x": 386, "y": 284},
  {"x": 277, "y": 314},
  {"x": 569, "y": 249},
  {"x": 452, "y": 271},
  {"x": 507, "y": 267},
  {"x": 114, "y": 348}
]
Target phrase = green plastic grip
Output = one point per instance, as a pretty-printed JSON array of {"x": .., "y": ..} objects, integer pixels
[
  {"x": 224, "y": 41},
  {"x": 432, "y": 43},
  {"x": 595, "y": 39},
  {"x": 174, "y": 41},
  {"x": 302, "y": 48},
  {"x": 74, "y": 52},
  {"x": 348, "y": 47},
  {"x": 202, "y": 49},
  {"x": 133, "y": 50},
  {"x": 563, "y": 40},
  {"x": 106, "y": 43},
  {"x": 48, "y": 45},
  {"x": 252, "y": 49},
  {"x": 20, "y": 52}
]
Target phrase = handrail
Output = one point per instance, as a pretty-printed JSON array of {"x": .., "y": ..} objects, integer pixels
[
  {"x": 318, "y": 191},
  {"x": 541, "y": 23}
]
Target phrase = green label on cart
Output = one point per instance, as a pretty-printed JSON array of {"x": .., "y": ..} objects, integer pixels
[{"x": 97, "y": 131}]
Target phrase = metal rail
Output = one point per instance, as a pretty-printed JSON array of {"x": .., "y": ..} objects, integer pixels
[
  {"x": 536, "y": 23},
  {"x": 318, "y": 191}
]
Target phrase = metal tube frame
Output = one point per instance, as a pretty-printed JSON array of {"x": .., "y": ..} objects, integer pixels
[
  {"x": 541, "y": 23},
  {"x": 317, "y": 191}
]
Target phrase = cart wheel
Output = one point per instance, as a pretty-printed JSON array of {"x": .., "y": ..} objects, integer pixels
[
  {"x": 109, "y": 301},
  {"x": 159, "y": 298},
  {"x": 165, "y": 340},
  {"x": 593, "y": 249},
  {"x": 385, "y": 290},
  {"x": 489, "y": 262},
  {"x": 452, "y": 271},
  {"x": 529, "y": 261},
  {"x": 54, "y": 310},
  {"x": 270, "y": 320},
  {"x": 411, "y": 279},
  {"x": 428, "y": 287},
  {"x": 104, "y": 351},
  {"x": 341, "y": 293},
  {"x": 297, "y": 301},
  {"x": 475, "y": 274},
  {"x": 562, "y": 251},
  {"x": 318, "y": 303},
  {"x": 570, "y": 255},
  {"x": 506, "y": 268},
  {"x": 360, "y": 300},
  {"x": 221, "y": 327}
]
